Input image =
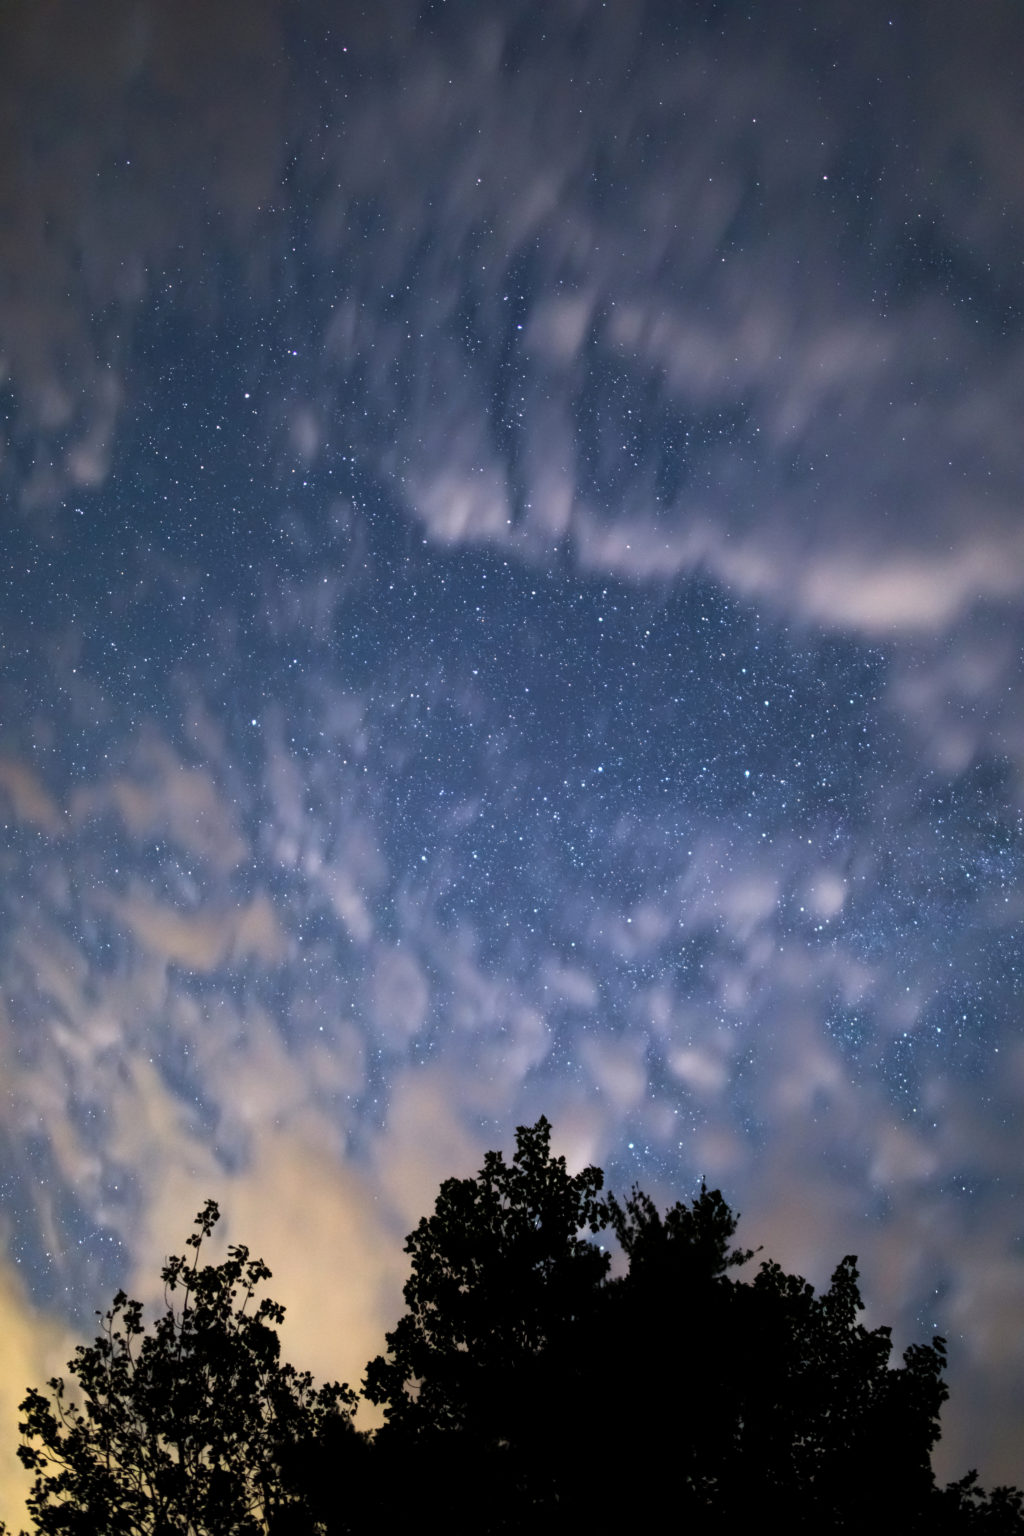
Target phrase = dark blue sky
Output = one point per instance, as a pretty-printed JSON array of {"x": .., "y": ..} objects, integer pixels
[{"x": 512, "y": 603}]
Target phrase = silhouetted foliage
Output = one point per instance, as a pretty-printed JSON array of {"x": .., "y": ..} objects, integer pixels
[
  {"x": 485, "y": 1368},
  {"x": 499, "y": 1273},
  {"x": 790, "y": 1408},
  {"x": 187, "y": 1428},
  {"x": 527, "y": 1387},
  {"x": 963, "y": 1506}
]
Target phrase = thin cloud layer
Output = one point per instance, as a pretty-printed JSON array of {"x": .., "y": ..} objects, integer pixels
[
  {"x": 724, "y": 253},
  {"x": 514, "y": 606}
]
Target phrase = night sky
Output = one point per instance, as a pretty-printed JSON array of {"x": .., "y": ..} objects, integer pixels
[{"x": 512, "y": 603}]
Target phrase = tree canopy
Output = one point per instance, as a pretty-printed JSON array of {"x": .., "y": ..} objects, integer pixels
[
  {"x": 529, "y": 1384},
  {"x": 186, "y": 1429},
  {"x": 523, "y": 1366},
  {"x": 500, "y": 1272}
]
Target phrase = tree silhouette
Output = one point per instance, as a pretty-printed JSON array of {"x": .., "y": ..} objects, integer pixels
[
  {"x": 187, "y": 1429},
  {"x": 524, "y": 1380},
  {"x": 791, "y": 1409},
  {"x": 528, "y": 1386},
  {"x": 495, "y": 1346},
  {"x": 499, "y": 1273}
]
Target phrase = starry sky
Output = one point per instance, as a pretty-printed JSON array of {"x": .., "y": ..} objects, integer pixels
[{"x": 512, "y": 603}]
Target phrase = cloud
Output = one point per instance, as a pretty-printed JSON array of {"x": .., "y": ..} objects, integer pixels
[
  {"x": 86, "y": 237},
  {"x": 164, "y": 797},
  {"x": 30, "y": 801},
  {"x": 700, "y": 326},
  {"x": 316, "y": 1220},
  {"x": 205, "y": 940},
  {"x": 618, "y": 1070},
  {"x": 36, "y": 1346},
  {"x": 401, "y": 996},
  {"x": 920, "y": 593},
  {"x": 709, "y": 308},
  {"x": 427, "y": 1138}
]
